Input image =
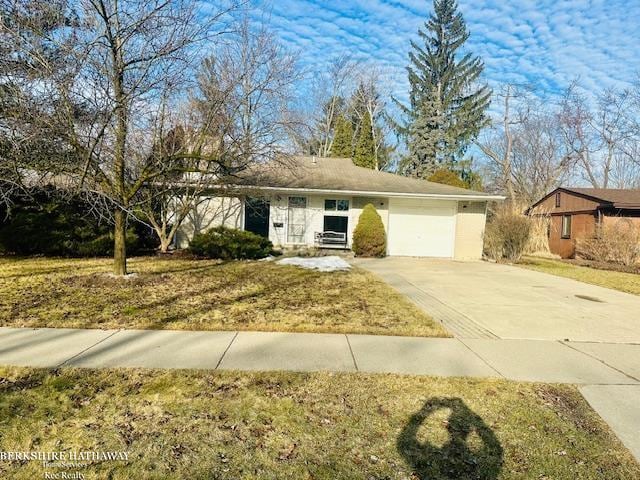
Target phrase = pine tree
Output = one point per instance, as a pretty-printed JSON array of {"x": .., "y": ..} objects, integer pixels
[
  {"x": 365, "y": 155},
  {"x": 446, "y": 109},
  {"x": 343, "y": 138}
]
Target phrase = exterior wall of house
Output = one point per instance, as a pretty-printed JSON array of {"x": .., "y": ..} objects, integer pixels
[
  {"x": 613, "y": 219},
  {"x": 279, "y": 221},
  {"x": 208, "y": 213},
  {"x": 568, "y": 203},
  {"x": 467, "y": 220},
  {"x": 228, "y": 211},
  {"x": 582, "y": 225},
  {"x": 583, "y": 213},
  {"x": 470, "y": 224}
]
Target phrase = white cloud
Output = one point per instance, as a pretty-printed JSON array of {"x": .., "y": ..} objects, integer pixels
[{"x": 547, "y": 43}]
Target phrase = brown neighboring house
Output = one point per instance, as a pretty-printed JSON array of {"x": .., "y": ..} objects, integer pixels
[{"x": 575, "y": 213}]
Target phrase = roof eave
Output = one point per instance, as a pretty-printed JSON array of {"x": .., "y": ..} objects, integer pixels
[
  {"x": 626, "y": 206},
  {"x": 440, "y": 196}
]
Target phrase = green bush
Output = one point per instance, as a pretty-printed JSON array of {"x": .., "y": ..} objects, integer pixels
[
  {"x": 47, "y": 224},
  {"x": 103, "y": 245},
  {"x": 447, "y": 177},
  {"x": 229, "y": 243},
  {"x": 369, "y": 237},
  {"x": 506, "y": 236}
]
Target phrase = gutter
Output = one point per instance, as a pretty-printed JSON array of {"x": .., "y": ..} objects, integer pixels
[{"x": 437, "y": 196}]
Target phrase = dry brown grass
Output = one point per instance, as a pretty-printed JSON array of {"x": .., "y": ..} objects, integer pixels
[
  {"x": 623, "y": 281},
  {"x": 617, "y": 241},
  {"x": 229, "y": 425},
  {"x": 203, "y": 295}
]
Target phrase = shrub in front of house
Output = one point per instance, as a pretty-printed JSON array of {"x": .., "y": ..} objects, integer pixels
[
  {"x": 615, "y": 241},
  {"x": 47, "y": 222},
  {"x": 369, "y": 237},
  {"x": 230, "y": 244},
  {"x": 507, "y": 236}
]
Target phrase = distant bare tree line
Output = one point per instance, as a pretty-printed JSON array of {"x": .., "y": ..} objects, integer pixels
[{"x": 538, "y": 144}]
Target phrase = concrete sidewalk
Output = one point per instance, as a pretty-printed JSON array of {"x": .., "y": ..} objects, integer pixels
[
  {"x": 609, "y": 373},
  {"x": 525, "y": 360}
]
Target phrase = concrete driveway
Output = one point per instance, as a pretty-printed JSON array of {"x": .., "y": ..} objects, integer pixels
[{"x": 486, "y": 300}]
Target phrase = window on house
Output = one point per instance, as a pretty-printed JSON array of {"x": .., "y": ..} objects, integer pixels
[
  {"x": 297, "y": 202},
  {"x": 336, "y": 205},
  {"x": 566, "y": 226},
  {"x": 558, "y": 199}
]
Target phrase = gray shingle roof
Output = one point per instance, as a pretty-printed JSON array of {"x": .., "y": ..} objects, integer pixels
[{"x": 340, "y": 174}]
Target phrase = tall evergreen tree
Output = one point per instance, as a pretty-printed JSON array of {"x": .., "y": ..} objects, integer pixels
[
  {"x": 446, "y": 107},
  {"x": 342, "y": 145},
  {"x": 365, "y": 153}
]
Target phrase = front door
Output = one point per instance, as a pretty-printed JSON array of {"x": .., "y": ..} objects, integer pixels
[
  {"x": 297, "y": 220},
  {"x": 256, "y": 216}
]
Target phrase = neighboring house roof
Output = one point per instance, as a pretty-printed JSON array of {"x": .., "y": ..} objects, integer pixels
[
  {"x": 340, "y": 175},
  {"x": 623, "y": 198},
  {"x": 618, "y": 197}
]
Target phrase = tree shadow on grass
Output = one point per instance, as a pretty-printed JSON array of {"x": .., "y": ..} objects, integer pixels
[{"x": 460, "y": 457}]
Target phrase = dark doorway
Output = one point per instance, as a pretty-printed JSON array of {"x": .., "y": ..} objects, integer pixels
[
  {"x": 334, "y": 223},
  {"x": 256, "y": 216}
]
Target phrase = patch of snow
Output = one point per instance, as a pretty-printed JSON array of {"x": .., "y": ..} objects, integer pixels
[
  {"x": 323, "y": 264},
  {"x": 128, "y": 276},
  {"x": 269, "y": 258}
]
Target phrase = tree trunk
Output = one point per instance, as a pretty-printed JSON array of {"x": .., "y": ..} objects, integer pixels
[
  {"x": 119, "y": 184},
  {"x": 120, "y": 246},
  {"x": 165, "y": 243}
]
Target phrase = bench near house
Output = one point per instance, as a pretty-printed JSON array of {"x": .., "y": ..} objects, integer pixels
[
  {"x": 315, "y": 201},
  {"x": 576, "y": 212}
]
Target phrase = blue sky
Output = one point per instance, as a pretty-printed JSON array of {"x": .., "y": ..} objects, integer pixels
[{"x": 545, "y": 43}]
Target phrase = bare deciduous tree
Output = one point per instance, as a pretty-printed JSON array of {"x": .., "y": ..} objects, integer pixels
[
  {"x": 597, "y": 133},
  {"x": 498, "y": 147},
  {"x": 524, "y": 152},
  {"x": 330, "y": 88},
  {"x": 239, "y": 116},
  {"x": 371, "y": 97},
  {"x": 120, "y": 59}
]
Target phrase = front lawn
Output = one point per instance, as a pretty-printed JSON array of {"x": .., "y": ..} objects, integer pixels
[
  {"x": 229, "y": 425},
  {"x": 203, "y": 295},
  {"x": 625, "y": 282}
]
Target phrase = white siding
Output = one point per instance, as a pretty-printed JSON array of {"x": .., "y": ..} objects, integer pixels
[
  {"x": 470, "y": 225},
  {"x": 314, "y": 218},
  {"x": 278, "y": 216},
  {"x": 208, "y": 213}
]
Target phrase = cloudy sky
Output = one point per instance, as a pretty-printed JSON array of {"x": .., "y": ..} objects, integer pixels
[{"x": 546, "y": 43}]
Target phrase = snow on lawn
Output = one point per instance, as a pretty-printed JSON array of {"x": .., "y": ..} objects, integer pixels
[{"x": 324, "y": 264}]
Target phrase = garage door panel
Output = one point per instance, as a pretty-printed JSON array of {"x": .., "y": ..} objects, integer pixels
[{"x": 421, "y": 228}]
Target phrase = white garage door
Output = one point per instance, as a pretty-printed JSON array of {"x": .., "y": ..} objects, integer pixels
[{"x": 422, "y": 228}]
